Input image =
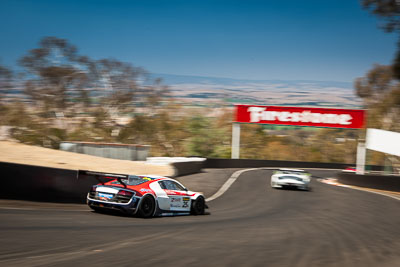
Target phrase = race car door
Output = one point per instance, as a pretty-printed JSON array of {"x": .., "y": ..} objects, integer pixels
[{"x": 179, "y": 199}]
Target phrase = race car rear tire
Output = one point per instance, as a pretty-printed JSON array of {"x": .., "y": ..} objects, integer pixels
[
  {"x": 147, "y": 207},
  {"x": 198, "y": 206}
]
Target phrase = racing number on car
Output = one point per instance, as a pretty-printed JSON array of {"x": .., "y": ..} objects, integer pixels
[{"x": 185, "y": 202}]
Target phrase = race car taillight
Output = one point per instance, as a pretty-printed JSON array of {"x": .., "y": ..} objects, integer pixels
[{"x": 125, "y": 193}]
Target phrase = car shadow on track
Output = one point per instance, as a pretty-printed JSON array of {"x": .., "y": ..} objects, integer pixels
[
  {"x": 291, "y": 188},
  {"x": 124, "y": 215}
]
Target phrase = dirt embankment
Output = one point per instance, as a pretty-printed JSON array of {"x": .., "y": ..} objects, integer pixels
[{"x": 39, "y": 156}]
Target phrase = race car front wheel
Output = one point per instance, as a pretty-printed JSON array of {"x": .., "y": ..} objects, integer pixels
[
  {"x": 198, "y": 206},
  {"x": 147, "y": 207}
]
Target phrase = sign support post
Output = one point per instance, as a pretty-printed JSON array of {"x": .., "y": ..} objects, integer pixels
[
  {"x": 361, "y": 151},
  {"x": 298, "y": 116},
  {"x": 235, "y": 140}
]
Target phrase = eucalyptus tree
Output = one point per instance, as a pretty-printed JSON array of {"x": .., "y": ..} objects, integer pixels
[
  {"x": 389, "y": 11},
  {"x": 56, "y": 75},
  {"x": 380, "y": 92},
  {"x": 6, "y": 81}
]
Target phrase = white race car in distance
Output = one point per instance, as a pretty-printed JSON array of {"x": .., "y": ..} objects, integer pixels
[{"x": 291, "y": 178}]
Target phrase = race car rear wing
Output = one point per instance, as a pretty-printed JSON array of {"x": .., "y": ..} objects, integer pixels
[{"x": 103, "y": 175}]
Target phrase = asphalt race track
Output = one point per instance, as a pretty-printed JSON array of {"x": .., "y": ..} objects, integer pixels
[{"x": 250, "y": 225}]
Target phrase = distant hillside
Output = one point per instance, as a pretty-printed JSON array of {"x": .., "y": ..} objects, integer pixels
[
  {"x": 203, "y": 90},
  {"x": 214, "y": 91},
  {"x": 183, "y": 79}
]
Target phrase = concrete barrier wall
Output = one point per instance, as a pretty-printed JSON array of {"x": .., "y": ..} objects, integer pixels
[
  {"x": 108, "y": 150},
  {"x": 383, "y": 182},
  {"x": 28, "y": 182},
  {"x": 254, "y": 163},
  {"x": 185, "y": 168}
]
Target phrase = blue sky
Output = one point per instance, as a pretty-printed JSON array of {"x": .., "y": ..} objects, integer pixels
[{"x": 248, "y": 39}]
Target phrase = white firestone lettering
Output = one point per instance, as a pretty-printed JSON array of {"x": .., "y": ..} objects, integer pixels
[
  {"x": 295, "y": 116},
  {"x": 256, "y": 113},
  {"x": 275, "y": 115},
  {"x": 316, "y": 118},
  {"x": 261, "y": 114},
  {"x": 305, "y": 116},
  {"x": 284, "y": 116},
  {"x": 330, "y": 118},
  {"x": 345, "y": 119}
]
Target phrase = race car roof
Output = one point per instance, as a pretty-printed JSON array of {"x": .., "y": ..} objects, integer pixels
[{"x": 291, "y": 170}]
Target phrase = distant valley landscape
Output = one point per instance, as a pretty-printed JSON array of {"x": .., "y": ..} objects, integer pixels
[{"x": 212, "y": 90}]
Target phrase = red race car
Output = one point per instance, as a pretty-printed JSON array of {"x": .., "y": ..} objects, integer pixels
[{"x": 144, "y": 195}]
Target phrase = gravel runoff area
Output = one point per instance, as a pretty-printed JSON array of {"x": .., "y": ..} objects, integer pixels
[{"x": 39, "y": 156}]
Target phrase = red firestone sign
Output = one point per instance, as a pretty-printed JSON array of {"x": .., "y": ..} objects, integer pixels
[{"x": 301, "y": 116}]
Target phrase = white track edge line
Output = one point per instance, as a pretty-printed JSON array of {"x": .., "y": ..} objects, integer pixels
[
  {"x": 363, "y": 190},
  {"x": 232, "y": 179},
  {"x": 228, "y": 184},
  {"x": 378, "y": 193}
]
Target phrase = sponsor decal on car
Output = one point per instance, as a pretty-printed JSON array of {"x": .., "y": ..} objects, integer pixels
[
  {"x": 175, "y": 199},
  {"x": 103, "y": 196},
  {"x": 145, "y": 190},
  {"x": 176, "y": 202}
]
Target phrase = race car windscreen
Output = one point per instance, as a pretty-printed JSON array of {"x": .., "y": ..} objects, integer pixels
[{"x": 134, "y": 180}]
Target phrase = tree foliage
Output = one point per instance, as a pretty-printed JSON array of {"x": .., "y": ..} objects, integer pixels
[
  {"x": 119, "y": 81},
  {"x": 59, "y": 77},
  {"x": 389, "y": 11},
  {"x": 55, "y": 71},
  {"x": 380, "y": 92},
  {"x": 6, "y": 82}
]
